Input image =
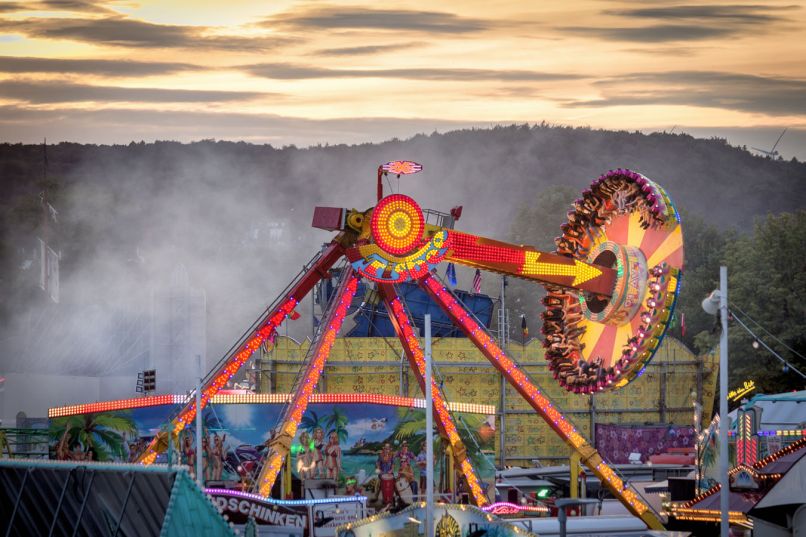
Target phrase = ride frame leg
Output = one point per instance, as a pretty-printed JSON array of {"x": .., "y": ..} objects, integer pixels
[
  {"x": 411, "y": 345},
  {"x": 458, "y": 313},
  {"x": 280, "y": 445},
  {"x": 317, "y": 270}
]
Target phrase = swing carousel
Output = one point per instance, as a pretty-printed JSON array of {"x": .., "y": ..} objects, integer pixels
[{"x": 611, "y": 284}]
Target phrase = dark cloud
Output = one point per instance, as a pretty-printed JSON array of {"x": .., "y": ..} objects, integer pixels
[
  {"x": 8, "y": 7},
  {"x": 292, "y": 71},
  {"x": 366, "y": 50},
  {"x": 121, "y": 126},
  {"x": 72, "y": 5},
  {"x": 511, "y": 92},
  {"x": 730, "y": 91},
  {"x": 76, "y": 6},
  {"x": 663, "y": 50},
  {"x": 16, "y": 64},
  {"x": 362, "y": 18},
  {"x": 747, "y": 14},
  {"x": 687, "y": 22},
  {"x": 123, "y": 32},
  {"x": 58, "y": 91},
  {"x": 651, "y": 34}
]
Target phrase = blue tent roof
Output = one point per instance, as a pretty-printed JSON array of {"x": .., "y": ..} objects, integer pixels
[
  {"x": 372, "y": 319},
  {"x": 40, "y": 497}
]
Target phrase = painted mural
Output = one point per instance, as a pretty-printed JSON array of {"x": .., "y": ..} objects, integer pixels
[
  {"x": 375, "y": 450},
  {"x": 372, "y": 365}
]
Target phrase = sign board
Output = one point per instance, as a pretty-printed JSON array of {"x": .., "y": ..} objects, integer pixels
[
  {"x": 746, "y": 387},
  {"x": 240, "y": 508},
  {"x": 743, "y": 480},
  {"x": 327, "y": 517}
]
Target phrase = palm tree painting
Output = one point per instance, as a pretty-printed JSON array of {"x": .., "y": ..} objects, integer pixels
[
  {"x": 337, "y": 423},
  {"x": 411, "y": 428},
  {"x": 103, "y": 433},
  {"x": 211, "y": 421},
  {"x": 311, "y": 421},
  {"x": 709, "y": 449}
]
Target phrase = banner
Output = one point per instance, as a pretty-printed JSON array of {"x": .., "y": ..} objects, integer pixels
[{"x": 616, "y": 442}]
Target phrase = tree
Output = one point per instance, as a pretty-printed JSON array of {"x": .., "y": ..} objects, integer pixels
[
  {"x": 411, "y": 428},
  {"x": 704, "y": 247},
  {"x": 337, "y": 423},
  {"x": 767, "y": 282},
  {"x": 102, "y": 432},
  {"x": 311, "y": 421}
]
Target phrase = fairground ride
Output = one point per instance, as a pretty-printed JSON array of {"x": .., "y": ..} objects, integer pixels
[{"x": 611, "y": 288}]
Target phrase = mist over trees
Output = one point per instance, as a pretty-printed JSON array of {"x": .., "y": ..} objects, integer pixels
[{"x": 237, "y": 216}]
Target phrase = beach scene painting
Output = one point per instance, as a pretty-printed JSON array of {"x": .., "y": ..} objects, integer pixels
[{"x": 368, "y": 449}]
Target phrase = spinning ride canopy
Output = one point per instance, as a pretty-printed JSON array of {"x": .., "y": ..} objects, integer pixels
[
  {"x": 626, "y": 222},
  {"x": 612, "y": 285}
]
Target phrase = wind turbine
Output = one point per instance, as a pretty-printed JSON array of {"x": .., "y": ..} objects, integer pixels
[{"x": 772, "y": 153}]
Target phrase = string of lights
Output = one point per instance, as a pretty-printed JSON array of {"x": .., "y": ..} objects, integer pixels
[
  {"x": 787, "y": 365},
  {"x": 770, "y": 334},
  {"x": 274, "y": 501}
]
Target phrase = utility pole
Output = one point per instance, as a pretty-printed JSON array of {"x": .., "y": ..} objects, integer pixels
[
  {"x": 503, "y": 340},
  {"x": 199, "y": 453},
  {"x": 724, "y": 420},
  {"x": 429, "y": 434},
  {"x": 717, "y": 304}
]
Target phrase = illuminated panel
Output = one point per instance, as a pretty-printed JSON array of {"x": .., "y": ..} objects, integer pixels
[
  {"x": 402, "y": 167},
  {"x": 356, "y": 398},
  {"x": 372, "y": 262},
  {"x": 579, "y": 271},
  {"x": 272, "y": 501},
  {"x": 528, "y": 263},
  {"x": 544, "y": 407},
  {"x": 310, "y": 379},
  {"x": 711, "y": 515},
  {"x": 120, "y": 404},
  {"x": 412, "y": 346},
  {"x": 746, "y": 445},
  {"x": 264, "y": 398},
  {"x": 397, "y": 224},
  {"x": 507, "y": 508},
  {"x": 475, "y": 249},
  {"x": 782, "y": 432},
  {"x": 472, "y": 408}
]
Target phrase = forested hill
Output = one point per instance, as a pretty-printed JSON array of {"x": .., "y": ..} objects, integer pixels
[
  {"x": 238, "y": 215},
  {"x": 504, "y": 166}
]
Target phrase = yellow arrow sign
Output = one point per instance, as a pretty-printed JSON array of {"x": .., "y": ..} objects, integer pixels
[{"x": 581, "y": 272}]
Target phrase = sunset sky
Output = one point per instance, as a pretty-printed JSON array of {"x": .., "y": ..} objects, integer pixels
[{"x": 312, "y": 72}]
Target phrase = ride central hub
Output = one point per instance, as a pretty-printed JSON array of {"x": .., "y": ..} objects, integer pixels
[{"x": 631, "y": 278}]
